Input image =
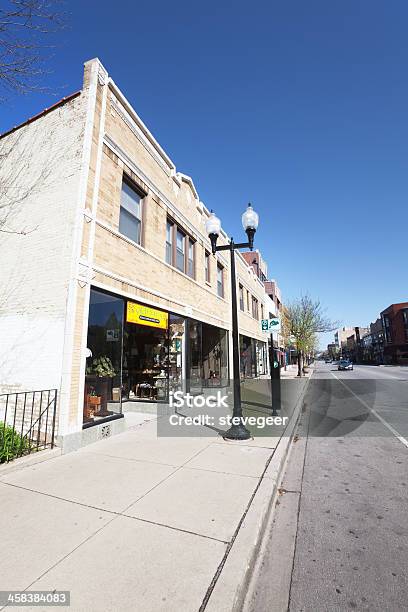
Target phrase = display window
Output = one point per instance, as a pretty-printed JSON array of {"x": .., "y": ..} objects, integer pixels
[
  {"x": 208, "y": 356},
  {"x": 248, "y": 357},
  {"x": 102, "y": 391},
  {"x": 140, "y": 353}
]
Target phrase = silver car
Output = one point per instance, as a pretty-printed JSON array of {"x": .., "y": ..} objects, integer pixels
[{"x": 345, "y": 364}]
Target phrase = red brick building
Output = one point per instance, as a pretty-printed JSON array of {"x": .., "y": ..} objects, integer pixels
[{"x": 395, "y": 324}]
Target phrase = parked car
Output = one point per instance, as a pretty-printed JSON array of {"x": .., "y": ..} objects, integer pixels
[{"x": 345, "y": 364}]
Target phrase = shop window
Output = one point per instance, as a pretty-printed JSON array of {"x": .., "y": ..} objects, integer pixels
[
  {"x": 207, "y": 266},
  {"x": 102, "y": 397},
  {"x": 208, "y": 356},
  {"x": 145, "y": 353},
  {"x": 260, "y": 357},
  {"x": 248, "y": 366},
  {"x": 130, "y": 220},
  {"x": 241, "y": 297},
  {"x": 176, "y": 349},
  {"x": 220, "y": 280}
]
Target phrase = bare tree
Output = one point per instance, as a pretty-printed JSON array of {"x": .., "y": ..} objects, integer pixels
[
  {"x": 25, "y": 29},
  {"x": 304, "y": 319},
  {"x": 14, "y": 188}
]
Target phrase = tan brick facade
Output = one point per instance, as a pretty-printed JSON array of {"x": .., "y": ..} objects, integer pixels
[{"x": 115, "y": 143}]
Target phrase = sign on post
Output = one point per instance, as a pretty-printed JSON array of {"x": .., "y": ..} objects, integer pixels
[{"x": 271, "y": 325}]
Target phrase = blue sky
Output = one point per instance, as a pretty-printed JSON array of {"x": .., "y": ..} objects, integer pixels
[{"x": 299, "y": 107}]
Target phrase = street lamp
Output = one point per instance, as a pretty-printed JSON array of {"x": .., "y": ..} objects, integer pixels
[{"x": 250, "y": 221}]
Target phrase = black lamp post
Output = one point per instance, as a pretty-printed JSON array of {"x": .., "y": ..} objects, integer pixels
[{"x": 250, "y": 220}]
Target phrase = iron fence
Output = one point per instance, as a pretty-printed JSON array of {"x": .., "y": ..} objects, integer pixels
[{"x": 27, "y": 422}]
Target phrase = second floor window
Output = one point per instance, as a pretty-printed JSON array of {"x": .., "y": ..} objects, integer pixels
[
  {"x": 220, "y": 280},
  {"x": 190, "y": 259},
  {"x": 388, "y": 329},
  {"x": 207, "y": 266},
  {"x": 169, "y": 243},
  {"x": 255, "y": 312},
  {"x": 405, "y": 321},
  {"x": 179, "y": 249},
  {"x": 241, "y": 297},
  {"x": 130, "y": 219}
]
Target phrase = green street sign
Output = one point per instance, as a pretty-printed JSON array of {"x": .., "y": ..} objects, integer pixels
[{"x": 271, "y": 325}]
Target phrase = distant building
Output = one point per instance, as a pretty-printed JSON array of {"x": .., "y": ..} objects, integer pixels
[
  {"x": 272, "y": 289},
  {"x": 341, "y": 335},
  {"x": 353, "y": 348},
  {"x": 332, "y": 350},
  {"x": 395, "y": 325},
  {"x": 259, "y": 265},
  {"x": 373, "y": 343}
]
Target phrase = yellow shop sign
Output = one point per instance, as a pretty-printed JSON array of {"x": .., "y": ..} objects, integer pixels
[{"x": 144, "y": 315}]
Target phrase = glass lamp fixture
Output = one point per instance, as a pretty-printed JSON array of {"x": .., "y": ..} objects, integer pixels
[
  {"x": 250, "y": 221},
  {"x": 213, "y": 229}
]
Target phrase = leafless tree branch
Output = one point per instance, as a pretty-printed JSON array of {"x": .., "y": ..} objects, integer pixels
[{"x": 25, "y": 26}]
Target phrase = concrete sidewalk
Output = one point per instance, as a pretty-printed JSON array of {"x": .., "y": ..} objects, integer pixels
[{"x": 141, "y": 523}]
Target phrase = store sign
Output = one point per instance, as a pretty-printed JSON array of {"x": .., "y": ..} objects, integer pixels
[
  {"x": 144, "y": 315},
  {"x": 271, "y": 325}
]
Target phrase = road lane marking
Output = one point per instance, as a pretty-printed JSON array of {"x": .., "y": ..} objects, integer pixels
[{"x": 374, "y": 412}]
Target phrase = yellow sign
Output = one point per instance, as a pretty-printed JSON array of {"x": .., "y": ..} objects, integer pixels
[{"x": 144, "y": 315}]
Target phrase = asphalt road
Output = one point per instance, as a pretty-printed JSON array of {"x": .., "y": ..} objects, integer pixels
[{"x": 338, "y": 539}]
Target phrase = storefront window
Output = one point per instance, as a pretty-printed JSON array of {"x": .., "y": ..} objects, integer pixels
[
  {"x": 260, "y": 357},
  {"x": 145, "y": 353},
  {"x": 247, "y": 357},
  {"x": 176, "y": 349},
  {"x": 195, "y": 356},
  {"x": 215, "y": 356},
  {"x": 103, "y": 366},
  {"x": 208, "y": 355}
]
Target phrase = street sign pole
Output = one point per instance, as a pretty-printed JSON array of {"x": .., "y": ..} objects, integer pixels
[{"x": 275, "y": 379}]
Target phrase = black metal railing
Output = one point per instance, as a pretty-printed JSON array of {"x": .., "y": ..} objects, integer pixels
[{"x": 27, "y": 422}]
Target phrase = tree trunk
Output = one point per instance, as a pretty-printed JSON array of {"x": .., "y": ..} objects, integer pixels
[{"x": 299, "y": 363}]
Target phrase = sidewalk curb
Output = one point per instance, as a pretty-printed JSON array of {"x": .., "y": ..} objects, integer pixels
[{"x": 231, "y": 588}]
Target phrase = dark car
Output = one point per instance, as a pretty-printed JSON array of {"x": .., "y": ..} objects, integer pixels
[{"x": 345, "y": 364}]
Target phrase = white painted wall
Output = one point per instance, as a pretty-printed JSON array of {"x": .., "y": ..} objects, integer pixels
[{"x": 42, "y": 162}]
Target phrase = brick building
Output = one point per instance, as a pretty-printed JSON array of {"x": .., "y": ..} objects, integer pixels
[
  {"x": 395, "y": 326},
  {"x": 110, "y": 293}
]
